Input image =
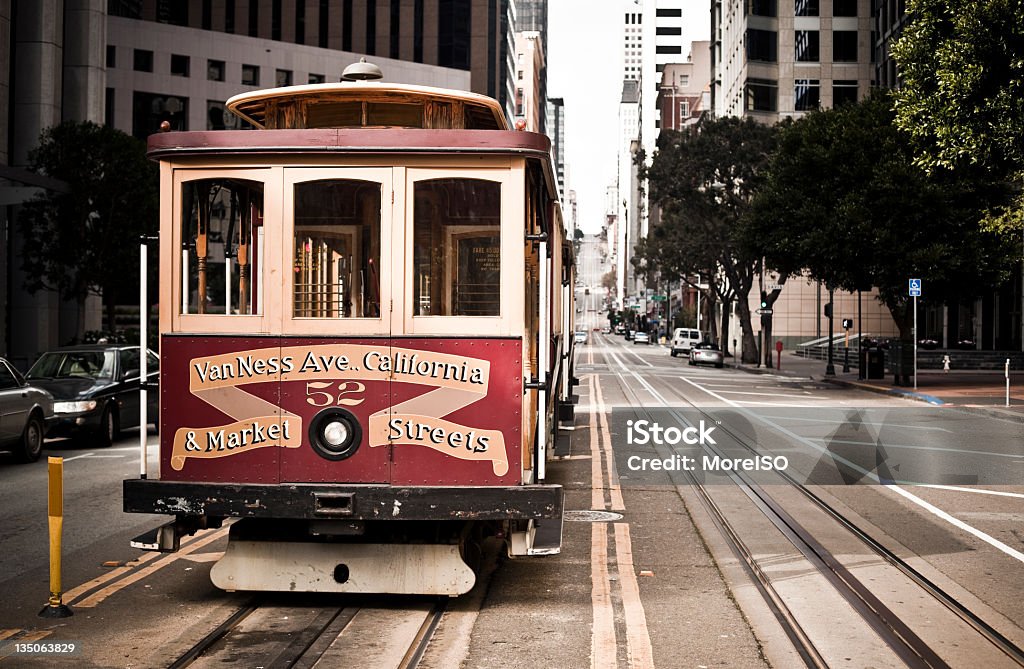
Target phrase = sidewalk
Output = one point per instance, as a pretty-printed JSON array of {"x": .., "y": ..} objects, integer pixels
[{"x": 969, "y": 388}]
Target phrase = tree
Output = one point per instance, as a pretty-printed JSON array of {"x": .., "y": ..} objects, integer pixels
[
  {"x": 960, "y": 97},
  {"x": 962, "y": 73},
  {"x": 704, "y": 178},
  {"x": 846, "y": 202},
  {"x": 86, "y": 240}
]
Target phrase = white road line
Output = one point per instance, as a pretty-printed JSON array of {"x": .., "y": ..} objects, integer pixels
[
  {"x": 876, "y": 444},
  {"x": 76, "y": 457},
  {"x": 990, "y": 540},
  {"x": 865, "y": 422},
  {"x": 803, "y": 396},
  {"x": 979, "y": 491}
]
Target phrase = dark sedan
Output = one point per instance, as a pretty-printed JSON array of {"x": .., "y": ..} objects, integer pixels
[
  {"x": 25, "y": 411},
  {"x": 95, "y": 390}
]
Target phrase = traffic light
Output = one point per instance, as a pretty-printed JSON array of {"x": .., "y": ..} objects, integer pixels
[
  {"x": 828, "y": 310},
  {"x": 847, "y": 323},
  {"x": 764, "y": 300}
]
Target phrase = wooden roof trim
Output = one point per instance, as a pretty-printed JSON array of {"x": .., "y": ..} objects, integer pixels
[{"x": 252, "y": 105}]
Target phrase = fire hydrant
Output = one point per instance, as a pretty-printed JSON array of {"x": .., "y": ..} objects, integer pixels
[{"x": 945, "y": 363}]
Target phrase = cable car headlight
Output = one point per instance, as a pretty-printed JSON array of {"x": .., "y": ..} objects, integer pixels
[{"x": 335, "y": 434}]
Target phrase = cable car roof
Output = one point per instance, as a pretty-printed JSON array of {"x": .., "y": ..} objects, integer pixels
[{"x": 350, "y": 104}]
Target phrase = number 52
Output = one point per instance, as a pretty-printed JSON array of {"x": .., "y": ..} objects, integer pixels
[{"x": 318, "y": 396}]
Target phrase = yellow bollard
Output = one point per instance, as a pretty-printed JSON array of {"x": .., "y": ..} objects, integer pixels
[{"x": 55, "y": 608}]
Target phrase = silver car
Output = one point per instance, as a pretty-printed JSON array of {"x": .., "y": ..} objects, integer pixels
[
  {"x": 707, "y": 353},
  {"x": 25, "y": 412}
]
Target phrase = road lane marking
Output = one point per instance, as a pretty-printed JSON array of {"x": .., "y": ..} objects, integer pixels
[
  {"x": 939, "y": 449},
  {"x": 76, "y": 457},
  {"x": 596, "y": 480},
  {"x": 934, "y": 510},
  {"x": 602, "y": 635},
  {"x": 638, "y": 638},
  {"x": 614, "y": 489},
  {"x": 803, "y": 396},
  {"x": 979, "y": 491},
  {"x": 139, "y": 574},
  {"x": 865, "y": 422}
]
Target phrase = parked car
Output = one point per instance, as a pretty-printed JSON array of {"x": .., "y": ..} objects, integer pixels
[
  {"x": 707, "y": 353},
  {"x": 95, "y": 389},
  {"x": 25, "y": 411},
  {"x": 641, "y": 337},
  {"x": 684, "y": 339}
]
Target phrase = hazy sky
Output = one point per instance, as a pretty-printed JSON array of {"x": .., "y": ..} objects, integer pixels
[{"x": 585, "y": 67}]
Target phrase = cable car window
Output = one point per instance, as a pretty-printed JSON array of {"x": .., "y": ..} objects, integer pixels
[
  {"x": 457, "y": 242},
  {"x": 337, "y": 249},
  {"x": 222, "y": 232}
]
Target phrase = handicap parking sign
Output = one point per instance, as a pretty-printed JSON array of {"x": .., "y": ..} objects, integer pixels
[{"x": 915, "y": 288}]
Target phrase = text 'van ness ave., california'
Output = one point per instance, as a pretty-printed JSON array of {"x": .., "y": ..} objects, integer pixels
[{"x": 334, "y": 361}]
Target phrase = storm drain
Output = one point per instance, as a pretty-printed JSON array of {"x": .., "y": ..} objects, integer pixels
[{"x": 589, "y": 516}]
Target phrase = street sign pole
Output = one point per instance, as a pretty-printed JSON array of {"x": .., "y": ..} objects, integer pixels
[{"x": 915, "y": 342}]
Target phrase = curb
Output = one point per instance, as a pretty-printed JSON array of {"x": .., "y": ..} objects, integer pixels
[{"x": 895, "y": 392}]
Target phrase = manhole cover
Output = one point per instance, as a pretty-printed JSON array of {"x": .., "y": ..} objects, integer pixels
[{"x": 588, "y": 516}]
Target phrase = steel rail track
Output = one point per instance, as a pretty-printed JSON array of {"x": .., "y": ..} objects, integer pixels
[{"x": 312, "y": 641}]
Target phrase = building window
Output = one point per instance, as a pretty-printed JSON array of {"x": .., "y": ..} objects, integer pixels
[
  {"x": 844, "y": 46},
  {"x": 149, "y": 110},
  {"x": 684, "y": 112},
  {"x": 453, "y": 33},
  {"x": 172, "y": 11},
  {"x": 323, "y": 23},
  {"x": 762, "y": 95},
  {"x": 250, "y": 75},
  {"x": 667, "y": 13},
  {"x": 254, "y": 19},
  {"x": 346, "y": 25},
  {"x": 111, "y": 56},
  {"x": 417, "y": 32},
  {"x": 283, "y": 77},
  {"x": 660, "y": 30},
  {"x": 807, "y": 46},
  {"x": 207, "y": 21},
  {"x": 668, "y": 49},
  {"x": 229, "y": 17},
  {"x": 763, "y": 7},
  {"x": 275, "y": 20},
  {"x": 807, "y": 95},
  {"x": 395, "y": 25},
  {"x": 806, "y": 7},
  {"x": 684, "y": 80},
  {"x": 316, "y": 78},
  {"x": 844, "y": 7},
  {"x": 179, "y": 65},
  {"x": 215, "y": 70},
  {"x": 371, "y": 28},
  {"x": 300, "y": 23},
  {"x": 762, "y": 45},
  {"x": 108, "y": 111},
  {"x": 844, "y": 92},
  {"x": 143, "y": 60}
]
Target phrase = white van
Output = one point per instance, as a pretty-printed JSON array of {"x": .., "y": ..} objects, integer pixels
[{"x": 683, "y": 339}]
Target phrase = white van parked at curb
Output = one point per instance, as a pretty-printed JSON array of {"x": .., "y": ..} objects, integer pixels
[{"x": 684, "y": 339}]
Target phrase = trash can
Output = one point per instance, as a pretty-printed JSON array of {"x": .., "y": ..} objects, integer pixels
[{"x": 874, "y": 365}]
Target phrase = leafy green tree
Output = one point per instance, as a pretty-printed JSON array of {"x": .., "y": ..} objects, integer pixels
[
  {"x": 86, "y": 240},
  {"x": 962, "y": 69},
  {"x": 961, "y": 93},
  {"x": 846, "y": 202},
  {"x": 704, "y": 178}
]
